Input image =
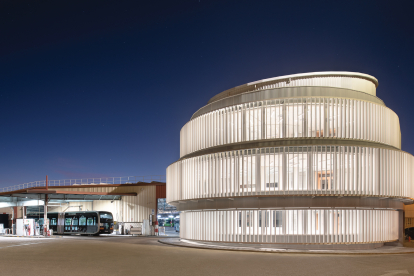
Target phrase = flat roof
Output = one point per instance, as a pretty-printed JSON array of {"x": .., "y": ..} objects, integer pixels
[
  {"x": 153, "y": 183},
  {"x": 320, "y": 74},
  {"x": 68, "y": 193}
]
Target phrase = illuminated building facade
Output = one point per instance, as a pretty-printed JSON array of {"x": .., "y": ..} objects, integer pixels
[{"x": 310, "y": 158}]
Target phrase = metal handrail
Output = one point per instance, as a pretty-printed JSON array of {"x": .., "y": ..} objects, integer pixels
[{"x": 87, "y": 181}]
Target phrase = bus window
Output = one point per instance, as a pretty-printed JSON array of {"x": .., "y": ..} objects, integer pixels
[
  {"x": 82, "y": 221},
  {"x": 67, "y": 223},
  {"x": 52, "y": 221},
  {"x": 75, "y": 224},
  {"x": 91, "y": 221}
]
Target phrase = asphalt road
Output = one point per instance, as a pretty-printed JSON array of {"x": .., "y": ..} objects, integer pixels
[{"x": 145, "y": 256}]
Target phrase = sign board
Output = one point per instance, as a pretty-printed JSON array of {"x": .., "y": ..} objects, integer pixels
[{"x": 153, "y": 212}]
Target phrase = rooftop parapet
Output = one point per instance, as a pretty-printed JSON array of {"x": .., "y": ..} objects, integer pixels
[{"x": 350, "y": 80}]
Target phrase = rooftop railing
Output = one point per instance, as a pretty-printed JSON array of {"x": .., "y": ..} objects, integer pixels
[{"x": 87, "y": 181}]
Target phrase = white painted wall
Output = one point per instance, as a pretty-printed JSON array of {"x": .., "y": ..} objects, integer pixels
[{"x": 128, "y": 209}]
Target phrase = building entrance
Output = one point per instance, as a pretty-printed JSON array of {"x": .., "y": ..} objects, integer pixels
[{"x": 168, "y": 218}]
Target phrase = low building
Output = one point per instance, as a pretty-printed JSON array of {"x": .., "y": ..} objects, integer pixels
[{"x": 129, "y": 203}]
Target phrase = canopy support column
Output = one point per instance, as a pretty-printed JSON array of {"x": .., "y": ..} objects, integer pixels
[{"x": 45, "y": 221}]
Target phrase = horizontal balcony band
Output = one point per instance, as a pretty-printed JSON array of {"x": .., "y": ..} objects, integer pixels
[
  {"x": 292, "y": 118},
  {"x": 294, "y": 201},
  {"x": 296, "y": 142},
  {"x": 287, "y": 92}
]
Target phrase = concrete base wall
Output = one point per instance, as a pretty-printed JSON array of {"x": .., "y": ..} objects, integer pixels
[{"x": 307, "y": 246}]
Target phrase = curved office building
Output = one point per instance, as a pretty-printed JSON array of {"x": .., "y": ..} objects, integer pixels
[{"x": 309, "y": 158}]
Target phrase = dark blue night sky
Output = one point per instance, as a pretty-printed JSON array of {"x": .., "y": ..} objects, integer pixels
[{"x": 102, "y": 88}]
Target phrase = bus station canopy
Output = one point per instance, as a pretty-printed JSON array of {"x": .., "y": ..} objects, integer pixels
[{"x": 39, "y": 193}]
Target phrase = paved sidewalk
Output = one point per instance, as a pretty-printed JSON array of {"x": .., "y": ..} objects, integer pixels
[{"x": 266, "y": 248}]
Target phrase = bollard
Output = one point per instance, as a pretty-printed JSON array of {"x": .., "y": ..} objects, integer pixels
[{"x": 156, "y": 228}]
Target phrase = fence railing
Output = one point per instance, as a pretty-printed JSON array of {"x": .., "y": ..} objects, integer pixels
[{"x": 87, "y": 181}]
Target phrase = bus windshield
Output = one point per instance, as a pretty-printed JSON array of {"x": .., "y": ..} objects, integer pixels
[{"x": 106, "y": 216}]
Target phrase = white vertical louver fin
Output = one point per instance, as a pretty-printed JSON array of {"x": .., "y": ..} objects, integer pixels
[
  {"x": 335, "y": 170},
  {"x": 291, "y": 226},
  {"x": 301, "y": 117}
]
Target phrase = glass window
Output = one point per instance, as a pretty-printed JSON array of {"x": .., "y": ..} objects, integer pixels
[
  {"x": 91, "y": 221},
  {"x": 260, "y": 218},
  {"x": 266, "y": 218},
  {"x": 105, "y": 215},
  {"x": 248, "y": 219},
  {"x": 82, "y": 221},
  {"x": 277, "y": 218}
]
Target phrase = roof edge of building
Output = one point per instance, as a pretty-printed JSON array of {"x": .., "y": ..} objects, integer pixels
[{"x": 245, "y": 87}]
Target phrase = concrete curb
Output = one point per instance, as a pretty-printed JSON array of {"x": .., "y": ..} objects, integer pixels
[
  {"x": 385, "y": 251},
  {"x": 31, "y": 237}
]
